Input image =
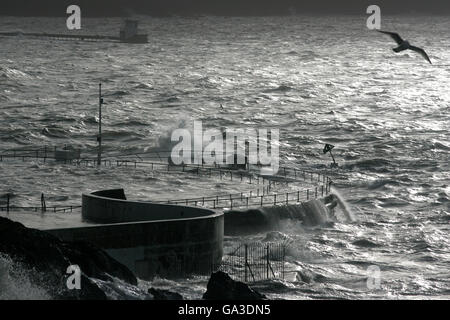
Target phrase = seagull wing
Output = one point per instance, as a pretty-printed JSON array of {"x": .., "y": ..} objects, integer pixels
[
  {"x": 394, "y": 36},
  {"x": 422, "y": 53}
]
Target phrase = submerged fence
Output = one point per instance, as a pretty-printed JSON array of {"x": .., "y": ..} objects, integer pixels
[
  {"x": 255, "y": 261},
  {"x": 246, "y": 262}
]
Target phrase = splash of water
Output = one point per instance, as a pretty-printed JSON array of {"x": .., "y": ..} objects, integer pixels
[
  {"x": 343, "y": 205},
  {"x": 15, "y": 282}
]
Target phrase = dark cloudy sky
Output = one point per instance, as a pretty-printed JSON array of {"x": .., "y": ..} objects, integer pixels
[{"x": 217, "y": 7}]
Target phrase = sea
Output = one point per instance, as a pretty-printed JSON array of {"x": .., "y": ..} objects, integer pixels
[{"x": 318, "y": 79}]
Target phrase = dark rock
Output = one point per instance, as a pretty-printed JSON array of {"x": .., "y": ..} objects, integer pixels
[
  {"x": 222, "y": 287},
  {"x": 160, "y": 294},
  {"x": 48, "y": 258}
]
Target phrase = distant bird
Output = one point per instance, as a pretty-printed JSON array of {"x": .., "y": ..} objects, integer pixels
[{"x": 405, "y": 45}]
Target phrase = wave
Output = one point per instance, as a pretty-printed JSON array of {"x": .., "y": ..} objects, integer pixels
[
  {"x": 376, "y": 163},
  {"x": 55, "y": 132},
  {"x": 382, "y": 183},
  {"x": 145, "y": 86},
  {"x": 13, "y": 74},
  {"x": 117, "y": 93},
  {"x": 281, "y": 88},
  {"x": 16, "y": 282},
  {"x": 127, "y": 123},
  {"x": 365, "y": 243}
]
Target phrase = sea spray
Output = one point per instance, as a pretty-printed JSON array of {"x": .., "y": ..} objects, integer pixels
[
  {"x": 343, "y": 205},
  {"x": 16, "y": 283}
]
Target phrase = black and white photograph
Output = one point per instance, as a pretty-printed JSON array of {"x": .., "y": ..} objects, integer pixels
[{"x": 213, "y": 151}]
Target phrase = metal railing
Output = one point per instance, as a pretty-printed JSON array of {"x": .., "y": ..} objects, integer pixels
[
  {"x": 255, "y": 261},
  {"x": 262, "y": 196},
  {"x": 247, "y": 200}
]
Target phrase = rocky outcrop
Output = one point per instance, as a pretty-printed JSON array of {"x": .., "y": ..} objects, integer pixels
[
  {"x": 161, "y": 294},
  {"x": 47, "y": 258},
  {"x": 222, "y": 287}
]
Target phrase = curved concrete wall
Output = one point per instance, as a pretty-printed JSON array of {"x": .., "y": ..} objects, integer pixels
[
  {"x": 151, "y": 239},
  {"x": 111, "y": 206}
]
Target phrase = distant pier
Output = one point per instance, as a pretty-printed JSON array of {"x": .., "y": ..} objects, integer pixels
[{"x": 128, "y": 34}]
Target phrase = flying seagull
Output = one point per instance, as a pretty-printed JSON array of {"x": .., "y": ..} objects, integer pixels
[{"x": 404, "y": 45}]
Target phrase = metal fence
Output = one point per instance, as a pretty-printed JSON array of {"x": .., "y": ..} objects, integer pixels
[{"x": 255, "y": 261}]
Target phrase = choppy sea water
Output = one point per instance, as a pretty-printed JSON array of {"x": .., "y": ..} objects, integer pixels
[{"x": 317, "y": 79}]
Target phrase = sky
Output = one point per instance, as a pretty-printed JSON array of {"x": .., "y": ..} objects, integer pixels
[{"x": 217, "y": 7}]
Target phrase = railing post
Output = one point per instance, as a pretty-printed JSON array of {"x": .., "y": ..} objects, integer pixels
[
  {"x": 246, "y": 262},
  {"x": 316, "y": 193},
  {"x": 275, "y": 199},
  {"x": 298, "y": 196},
  {"x": 7, "y": 202},
  {"x": 267, "y": 261},
  {"x": 43, "y": 205},
  {"x": 322, "y": 190},
  {"x": 287, "y": 198},
  {"x": 262, "y": 201},
  {"x": 307, "y": 194}
]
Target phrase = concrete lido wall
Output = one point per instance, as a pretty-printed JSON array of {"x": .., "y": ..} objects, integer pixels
[{"x": 151, "y": 239}]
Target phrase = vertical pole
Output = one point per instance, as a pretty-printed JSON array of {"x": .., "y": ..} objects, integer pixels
[
  {"x": 43, "y": 206},
  {"x": 99, "y": 138},
  {"x": 267, "y": 262},
  {"x": 7, "y": 202},
  {"x": 246, "y": 263}
]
